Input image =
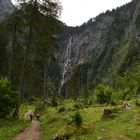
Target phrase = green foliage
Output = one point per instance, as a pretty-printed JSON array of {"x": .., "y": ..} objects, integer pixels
[
  {"x": 8, "y": 98},
  {"x": 32, "y": 99},
  {"x": 54, "y": 102},
  {"x": 61, "y": 109},
  {"x": 103, "y": 94},
  {"x": 51, "y": 88},
  {"x": 3, "y": 50},
  {"x": 124, "y": 87},
  {"x": 73, "y": 86},
  {"x": 39, "y": 106},
  {"x": 78, "y": 85},
  {"x": 131, "y": 57},
  {"x": 9, "y": 128},
  {"x": 137, "y": 103},
  {"x": 128, "y": 85},
  {"x": 122, "y": 123},
  {"x": 27, "y": 42},
  {"x": 77, "y": 118},
  {"x": 78, "y": 105}
]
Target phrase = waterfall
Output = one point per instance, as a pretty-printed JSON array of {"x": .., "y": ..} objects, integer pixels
[{"x": 67, "y": 61}]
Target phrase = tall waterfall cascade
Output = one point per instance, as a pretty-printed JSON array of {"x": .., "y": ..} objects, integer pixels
[{"x": 67, "y": 63}]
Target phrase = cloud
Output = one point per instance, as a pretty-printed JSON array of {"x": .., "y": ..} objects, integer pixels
[{"x": 76, "y": 12}]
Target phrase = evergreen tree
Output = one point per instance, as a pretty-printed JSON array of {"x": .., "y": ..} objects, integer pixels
[
  {"x": 40, "y": 26},
  {"x": 3, "y": 50}
]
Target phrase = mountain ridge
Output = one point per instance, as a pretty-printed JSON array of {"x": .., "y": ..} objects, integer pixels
[
  {"x": 6, "y": 8},
  {"x": 111, "y": 36},
  {"x": 99, "y": 50}
]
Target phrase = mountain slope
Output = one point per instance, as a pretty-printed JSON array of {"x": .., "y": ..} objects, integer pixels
[
  {"x": 103, "y": 47},
  {"x": 97, "y": 51},
  {"x": 6, "y": 8}
]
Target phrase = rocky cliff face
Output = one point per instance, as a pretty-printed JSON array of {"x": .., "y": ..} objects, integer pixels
[
  {"x": 87, "y": 38},
  {"x": 105, "y": 42},
  {"x": 6, "y": 8}
]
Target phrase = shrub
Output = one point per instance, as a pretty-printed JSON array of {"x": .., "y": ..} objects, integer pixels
[
  {"x": 40, "y": 106},
  {"x": 79, "y": 104},
  {"x": 54, "y": 102},
  {"x": 125, "y": 93},
  {"x": 103, "y": 94},
  {"x": 77, "y": 118},
  {"x": 61, "y": 109},
  {"x": 32, "y": 99},
  {"x": 137, "y": 103},
  {"x": 8, "y": 98},
  {"x": 113, "y": 103},
  {"x": 53, "y": 119},
  {"x": 115, "y": 98}
]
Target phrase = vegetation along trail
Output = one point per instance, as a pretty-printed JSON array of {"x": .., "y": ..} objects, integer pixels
[{"x": 30, "y": 133}]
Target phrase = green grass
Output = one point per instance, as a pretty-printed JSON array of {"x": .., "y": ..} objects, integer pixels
[
  {"x": 10, "y": 128},
  {"x": 50, "y": 123},
  {"x": 124, "y": 126}
]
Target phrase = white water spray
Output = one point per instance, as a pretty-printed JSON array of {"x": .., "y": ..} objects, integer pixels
[{"x": 67, "y": 62}]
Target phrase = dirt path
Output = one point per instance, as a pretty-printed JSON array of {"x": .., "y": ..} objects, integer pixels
[{"x": 30, "y": 133}]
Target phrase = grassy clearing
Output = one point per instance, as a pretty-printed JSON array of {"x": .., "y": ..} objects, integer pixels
[{"x": 125, "y": 125}]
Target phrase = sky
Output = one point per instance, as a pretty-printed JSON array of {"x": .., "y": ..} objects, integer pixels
[{"x": 76, "y": 12}]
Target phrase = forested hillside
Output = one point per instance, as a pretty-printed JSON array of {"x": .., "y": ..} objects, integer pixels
[
  {"x": 94, "y": 53},
  {"x": 99, "y": 51},
  {"x": 78, "y": 83},
  {"x": 28, "y": 46}
]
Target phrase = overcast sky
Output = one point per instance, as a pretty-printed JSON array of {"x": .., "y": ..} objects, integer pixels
[{"x": 76, "y": 12}]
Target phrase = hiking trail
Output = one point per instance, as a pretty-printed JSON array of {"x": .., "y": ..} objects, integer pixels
[{"x": 30, "y": 133}]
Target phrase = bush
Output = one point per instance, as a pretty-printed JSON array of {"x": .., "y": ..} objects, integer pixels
[
  {"x": 54, "y": 102},
  {"x": 114, "y": 99},
  {"x": 103, "y": 94},
  {"x": 40, "y": 106},
  {"x": 76, "y": 105},
  {"x": 137, "y": 103},
  {"x": 32, "y": 99},
  {"x": 61, "y": 109},
  {"x": 79, "y": 104},
  {"x": 8, "y": 98},
  {"x": 77, "y": 118},
  {"x": 53, "y": 119}
]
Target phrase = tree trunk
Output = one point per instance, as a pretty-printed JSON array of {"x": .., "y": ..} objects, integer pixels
[
  {"x": 22, "y": 84},
  {"x": 66, "y": 92},
  {"x": 27, "y": 51},
  {"x": 14, "y": 38},
  {"x": 45, "y": 77},
  {"x": 46, "y": 68}
]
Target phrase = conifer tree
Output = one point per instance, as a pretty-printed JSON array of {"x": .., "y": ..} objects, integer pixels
[{"x": 40, "y": 26}]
